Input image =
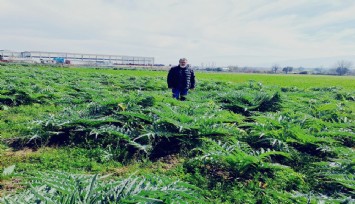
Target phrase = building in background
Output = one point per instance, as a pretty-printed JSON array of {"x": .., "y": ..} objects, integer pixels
[{"x": 75, "y": 58}]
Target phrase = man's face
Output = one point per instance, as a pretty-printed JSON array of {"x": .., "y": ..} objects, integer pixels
[{"x": 183, "y": 63}]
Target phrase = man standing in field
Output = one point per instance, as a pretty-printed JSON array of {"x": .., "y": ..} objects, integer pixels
[{"x": 181, "y": 78}]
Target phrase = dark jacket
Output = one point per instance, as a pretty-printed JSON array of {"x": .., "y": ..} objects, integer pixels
[{"x": 181, "y": 78}]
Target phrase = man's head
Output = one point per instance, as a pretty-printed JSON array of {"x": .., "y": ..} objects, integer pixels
[{"x": 183, "y": 62}]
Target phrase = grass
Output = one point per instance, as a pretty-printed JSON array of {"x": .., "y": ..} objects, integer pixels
[
  {"x": 283, "y": 80},
  {"x": 239, "y": 137},
  {"x": 289, "y": 80}
]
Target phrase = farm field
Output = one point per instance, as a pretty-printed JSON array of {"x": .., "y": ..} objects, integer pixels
[
  {"x": 79, "y": 135},
  {"x": 301, "y": 81}
]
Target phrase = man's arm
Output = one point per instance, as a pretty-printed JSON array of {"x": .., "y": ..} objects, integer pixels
[
  {"x": 192, "y": 80},
  {"x": 170, "y": 79}
]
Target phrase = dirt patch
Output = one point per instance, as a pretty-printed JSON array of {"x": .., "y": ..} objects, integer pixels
[
  {"x": 19, "y": 153},
  {"x": 10, "y": 157},
  {"x": 10, "y": 186},
  {"x": 169, "y": 161},
  {"x": 121, "y": 171}
]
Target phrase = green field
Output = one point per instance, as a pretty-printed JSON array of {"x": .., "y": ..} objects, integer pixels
[
  {"x": 80, "y": 135},
  {"x": 301, "y": 81}
]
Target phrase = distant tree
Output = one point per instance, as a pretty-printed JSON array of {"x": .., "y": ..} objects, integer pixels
[
  {"x": 319, "y": 70},
  {"x": 287, "y": 69},
  {"x": 245, "y": 70},
  {"x": 343, "y": 67},
  {"x": 342, "y": 71},
  {"x": 274, "y": 68},
  {"x": 301, "y": 69},
  {"x": 234, "y": 68}
]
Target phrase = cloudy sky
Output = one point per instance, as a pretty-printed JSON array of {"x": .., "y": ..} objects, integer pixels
[{"x": 219, "y": 32}]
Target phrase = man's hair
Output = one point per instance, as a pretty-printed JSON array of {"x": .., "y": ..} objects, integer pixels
[{"x": 182, "y": 59}]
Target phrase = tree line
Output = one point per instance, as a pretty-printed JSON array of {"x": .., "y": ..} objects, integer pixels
[{"x": 342, "y": 68}]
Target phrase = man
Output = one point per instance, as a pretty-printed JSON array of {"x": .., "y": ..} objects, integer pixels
[{"x": 180, "y": 79}]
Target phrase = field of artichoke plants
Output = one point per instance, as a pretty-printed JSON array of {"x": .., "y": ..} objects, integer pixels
[{"x": 75, "y": 135}]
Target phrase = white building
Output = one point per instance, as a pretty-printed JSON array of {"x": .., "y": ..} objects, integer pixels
[{"x": 78, "y": 58}]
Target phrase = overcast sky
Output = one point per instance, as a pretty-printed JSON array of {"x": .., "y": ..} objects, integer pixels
[{"x": 222, "y": 32}]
